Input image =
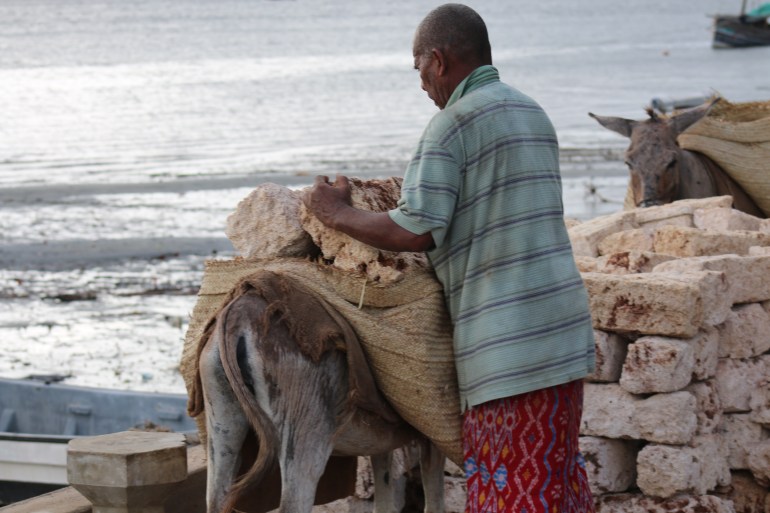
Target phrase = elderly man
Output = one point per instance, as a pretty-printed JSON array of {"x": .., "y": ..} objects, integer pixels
[{"x": 482, "y": 195}]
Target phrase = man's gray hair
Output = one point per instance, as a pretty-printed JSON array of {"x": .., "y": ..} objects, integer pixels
[{"x": 455, "y": 29}]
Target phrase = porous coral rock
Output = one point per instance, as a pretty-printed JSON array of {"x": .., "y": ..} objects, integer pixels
[
  {"x": 265, "y": 224},
  {"x": 351, "y": 255}
]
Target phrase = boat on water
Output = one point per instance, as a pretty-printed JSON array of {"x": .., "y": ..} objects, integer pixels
[
  {"x": 747, "y": 29},
  {"x": 38, "y": 416}
]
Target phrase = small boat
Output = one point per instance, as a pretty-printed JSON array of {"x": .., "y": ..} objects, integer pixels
[
  {"x": 748, "y": 29},
  {"x": 38, "y": 416}
]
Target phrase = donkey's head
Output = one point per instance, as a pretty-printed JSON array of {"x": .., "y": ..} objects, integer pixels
[{"x": 654, "y": 157}]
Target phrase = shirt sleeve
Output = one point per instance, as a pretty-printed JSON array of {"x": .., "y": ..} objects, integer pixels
[{"x": 429, "y": 192}]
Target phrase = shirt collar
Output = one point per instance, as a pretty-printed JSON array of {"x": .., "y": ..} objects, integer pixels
[{"x": 479, "y": 77}]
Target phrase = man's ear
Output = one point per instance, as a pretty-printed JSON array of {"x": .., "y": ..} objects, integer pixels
[{"x": 442, "y": 63}]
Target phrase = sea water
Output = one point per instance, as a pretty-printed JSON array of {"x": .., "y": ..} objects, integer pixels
[{"x": 127, "y": 124}]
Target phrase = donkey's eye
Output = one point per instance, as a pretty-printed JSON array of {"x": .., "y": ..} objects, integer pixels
[{"x": 671, "y": 164}]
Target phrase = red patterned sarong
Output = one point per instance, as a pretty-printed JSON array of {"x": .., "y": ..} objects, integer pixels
[{"x": 522, "y": 455}]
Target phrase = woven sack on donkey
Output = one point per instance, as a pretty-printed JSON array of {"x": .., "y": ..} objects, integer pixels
[
  {"x": 403, "y": 327},
  {"x": 737, "y": 137}
]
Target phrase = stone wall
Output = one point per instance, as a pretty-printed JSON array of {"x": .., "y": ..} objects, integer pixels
[{"x": 677, "y": 413}]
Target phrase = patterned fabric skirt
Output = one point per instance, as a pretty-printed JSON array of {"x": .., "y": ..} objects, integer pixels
[{"x": 522, "y": 455}]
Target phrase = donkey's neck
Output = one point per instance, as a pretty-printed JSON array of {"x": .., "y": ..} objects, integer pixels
[
  {"x": 701, "y": 177},
  {"x": 696, "y": 178}
]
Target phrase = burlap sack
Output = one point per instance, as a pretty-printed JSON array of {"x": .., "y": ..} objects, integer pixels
[
  {"x": 737, "y": 137},
  {"x": 403, "y": 327}
]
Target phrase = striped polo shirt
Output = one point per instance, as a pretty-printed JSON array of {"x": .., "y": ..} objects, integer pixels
[{"x": 485, "y": 182}]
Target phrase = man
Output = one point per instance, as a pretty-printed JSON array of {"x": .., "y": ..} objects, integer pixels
[{"x": 482, "y": 195}]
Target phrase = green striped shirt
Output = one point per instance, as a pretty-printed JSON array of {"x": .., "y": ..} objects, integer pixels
[{"x": 485, "y": 182}]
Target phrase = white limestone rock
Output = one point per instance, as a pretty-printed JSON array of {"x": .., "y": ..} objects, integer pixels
[
  {"x": 586, "y": 264},
  {"x": 724, "y": 219},
  {"x": 627, "y": 262},
  {"x": 708, "y": 406},
  {"x": 585, "y": 237},
  {"x": 611, "y": 412},
  {"x": 657, "y": 364},
  {"x": 759, "y": 402},
  {"x": 745, "y": 332},
  {"x": 705, "y": 346},
  {"x": 665, "y": 471},
  {"x": 746, "y": 494},
  {"x": 639, "y": 239},
  {"x": 688, "y": 242},
  {"x": 631, "y": 503},
  {"x": 668, "y": 304},
  {"x": 672, "y": 213},
  {"x": 747, "y": 277},
  {"x": 611, "y": 351},
  {"x": 266, "y": 225},
  {"x": 759, "y": 462},
  {"x": 743, "y": 437},
  {"x": 759, "y": 250},
  {"x": 610, "y": 463},
  {"x": 736, "y": 379},
  {"x": 347, "y": 253}
]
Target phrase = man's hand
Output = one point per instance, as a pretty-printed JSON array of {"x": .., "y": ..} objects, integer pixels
[
  {"x": 330, "y": 203},
  {"x": 327, "y": 201}
]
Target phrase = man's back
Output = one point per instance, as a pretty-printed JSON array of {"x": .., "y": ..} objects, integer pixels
[{"x": 487, "y": 172}]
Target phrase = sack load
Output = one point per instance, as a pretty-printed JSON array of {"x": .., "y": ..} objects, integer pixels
[
  {"x": 737, "y": 137},
  {"x": 398, "y": 313}
]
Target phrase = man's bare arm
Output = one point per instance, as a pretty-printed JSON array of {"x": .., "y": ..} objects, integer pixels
[{"x": 331, "y": 204}]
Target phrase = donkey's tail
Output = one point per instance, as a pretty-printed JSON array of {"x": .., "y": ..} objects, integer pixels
[{"x": 232, "y": 344}]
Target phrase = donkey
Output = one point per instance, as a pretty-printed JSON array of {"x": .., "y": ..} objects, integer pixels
[
  {"x": 662, "y": 172},
  {"x": 254, "y": 377}
]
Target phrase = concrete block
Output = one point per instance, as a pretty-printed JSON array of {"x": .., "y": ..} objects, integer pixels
[
  {"x": 736, "y": 379},
  {"x": 611, "y": 412},
  {"x": 743, "y": 436},
  {"x": 637, "y": 239},
  {"x": 266, "y": 224},
  {"x": 585, "y": 237},
  {"x": 688, "y": 242},
  {"x": 611, "y": 351},
  {"x": 745, "y": 332},
  {"x": 610, "y": 463},
  {"x": 724, "y": 219},
  {"x": 630, "y": 503},
  {"x": 657, "y": 364},
  {"x": 747, "y": 277},
  {"x": 668, "y": 304},
  {"x": 665, "y": 470},
  {"x": 131, "y": 471}
]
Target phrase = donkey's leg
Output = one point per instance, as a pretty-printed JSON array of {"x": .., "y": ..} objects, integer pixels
[
  {"x": 226, "y": 427},
  {"x": 306, "y": 398},
  {"x": 432, "y": 470},
  {"x": 389, "y": 489}
]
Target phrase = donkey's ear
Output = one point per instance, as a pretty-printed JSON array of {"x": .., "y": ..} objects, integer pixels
[
  {"x": 619, "y": 125},
  {"x": 685, "y": 119}
]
